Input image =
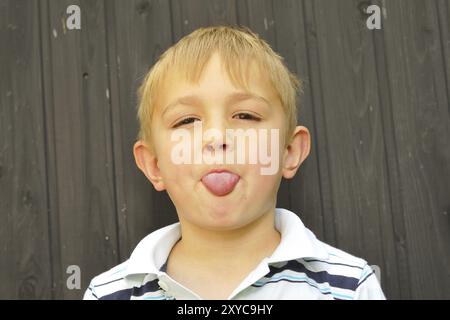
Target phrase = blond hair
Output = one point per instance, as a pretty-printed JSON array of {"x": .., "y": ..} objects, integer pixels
[{"x": 237, "y": 47}]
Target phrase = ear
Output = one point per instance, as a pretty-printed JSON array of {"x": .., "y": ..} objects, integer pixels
[
  {"x": 296, "y": 151},
  {"x": 147, "y": 161}
]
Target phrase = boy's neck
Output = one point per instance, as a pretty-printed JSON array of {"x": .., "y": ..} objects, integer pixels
[
  {"x": 225, "y": 258},
  {"x": 248, "y": 244}
]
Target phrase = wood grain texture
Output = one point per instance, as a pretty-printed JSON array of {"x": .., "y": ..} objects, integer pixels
[
  {"x": 82, "y": 203},
  {"x": 353, "y": 174},
  {"x": 377, "y": 104},
  {"x": 139, "y": 32},
  {"x": 304, "y": 190},
  {"x": 25, "y": 263},
  {"x": 414, "y": 69}
]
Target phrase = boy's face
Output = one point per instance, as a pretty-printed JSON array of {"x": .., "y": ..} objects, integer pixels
[{"x": 228, "y": 195}]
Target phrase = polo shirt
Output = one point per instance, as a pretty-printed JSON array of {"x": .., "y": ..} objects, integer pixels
[{"x": 301, "y": 267}]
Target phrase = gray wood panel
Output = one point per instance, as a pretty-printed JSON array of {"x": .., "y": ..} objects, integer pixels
[
  {"x": 139, "y": 32},
  {"x": 25, "y": 258},
  {"x": 413, "y": 70},
  {"x": 80, "y": 158},
  {"x": 377, "y": 104}
]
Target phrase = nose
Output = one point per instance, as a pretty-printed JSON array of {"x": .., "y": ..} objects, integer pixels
[
  {"x": 214, "y": 146},
  {"x": 214, "y": 136}
]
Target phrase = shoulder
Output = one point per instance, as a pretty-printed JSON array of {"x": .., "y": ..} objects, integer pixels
[
  {"x": 112, "y": 275},
  {"x": 113, "y": 284},
  {"x": 345, "y": 274},
  {"x": 338, "y": 268},
  {"x": 138, "y": 274},
  {"x": 338, "y": 257}
]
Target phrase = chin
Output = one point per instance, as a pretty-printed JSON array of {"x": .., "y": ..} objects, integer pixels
[{"x": 223, "y": 217}]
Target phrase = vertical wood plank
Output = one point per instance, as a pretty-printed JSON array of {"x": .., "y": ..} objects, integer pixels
[
  {"x": 320, "y": 129},
  {"x": 402, "y": 267},
  {"x": 414, "y": 70},
  {"x": 24, "y": 251},
  {"x": 348, "y": 107},
  {"x": 138, "y": 33},
  {"x": 190, "y": 15},
  {"x": 79, "y": 144},
  {"x": 304, "y": 189},
  {"x": 443, "y": 11},
  {"x": 259, "y": 17}
]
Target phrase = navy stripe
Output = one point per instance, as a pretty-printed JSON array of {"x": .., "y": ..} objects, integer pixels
[
  {"x": 163, "y": 267},
  {"x": 126, "y": 294},
  {"x": 292, "y": 281},
  {"x": 337, "y": 281},
  {"x": 148, "y": 287},
  {"x": 334, "y": 263},
  {"x": 102, "y": 284},
  {"x": 118, "y": 295},
  {"x": 92, "y": 291},
  {"x": 365, "y": 279}
]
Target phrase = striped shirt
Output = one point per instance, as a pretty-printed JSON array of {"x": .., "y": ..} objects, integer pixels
[{"x": 301, "y": 267}]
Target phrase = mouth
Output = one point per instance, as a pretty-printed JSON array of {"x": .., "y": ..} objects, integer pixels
[{"x": 220, "y": 182}]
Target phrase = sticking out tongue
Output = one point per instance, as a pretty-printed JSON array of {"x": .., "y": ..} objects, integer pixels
[{"x": 220, "y": 183}]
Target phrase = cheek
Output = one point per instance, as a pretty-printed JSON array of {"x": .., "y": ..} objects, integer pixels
[
  {"x": 262, "y": 191},
  {"x": 262, "y": 184},
  {"x": 168, "y": 169},
  {"x": 176, "y": 175},
  {"x": 172, "y": 173}
]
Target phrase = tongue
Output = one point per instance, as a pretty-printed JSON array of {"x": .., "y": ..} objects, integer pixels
[{"x": 220, "y": 183}]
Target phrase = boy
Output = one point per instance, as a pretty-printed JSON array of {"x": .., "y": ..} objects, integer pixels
[{"x": 231, "y": 241}]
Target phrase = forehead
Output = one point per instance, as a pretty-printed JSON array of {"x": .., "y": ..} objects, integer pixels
[{"x": 217, "y": 83}]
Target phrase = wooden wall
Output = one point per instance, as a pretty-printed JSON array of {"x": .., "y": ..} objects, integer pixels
[{"x": 377, "y": 183}]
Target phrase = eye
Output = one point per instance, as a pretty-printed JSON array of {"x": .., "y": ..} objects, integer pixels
[
  {"x": 246, "y": 116},
  {"x": 185, "y": 121}
]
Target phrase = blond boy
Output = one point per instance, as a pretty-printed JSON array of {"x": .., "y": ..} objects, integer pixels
[{"x": 231, "y": 241}]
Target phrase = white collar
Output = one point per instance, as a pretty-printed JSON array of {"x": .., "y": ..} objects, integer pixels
[{"x": 296, "y": 242}]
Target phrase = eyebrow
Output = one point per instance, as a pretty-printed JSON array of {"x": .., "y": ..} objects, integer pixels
[{"x": 231, "y": 98}]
